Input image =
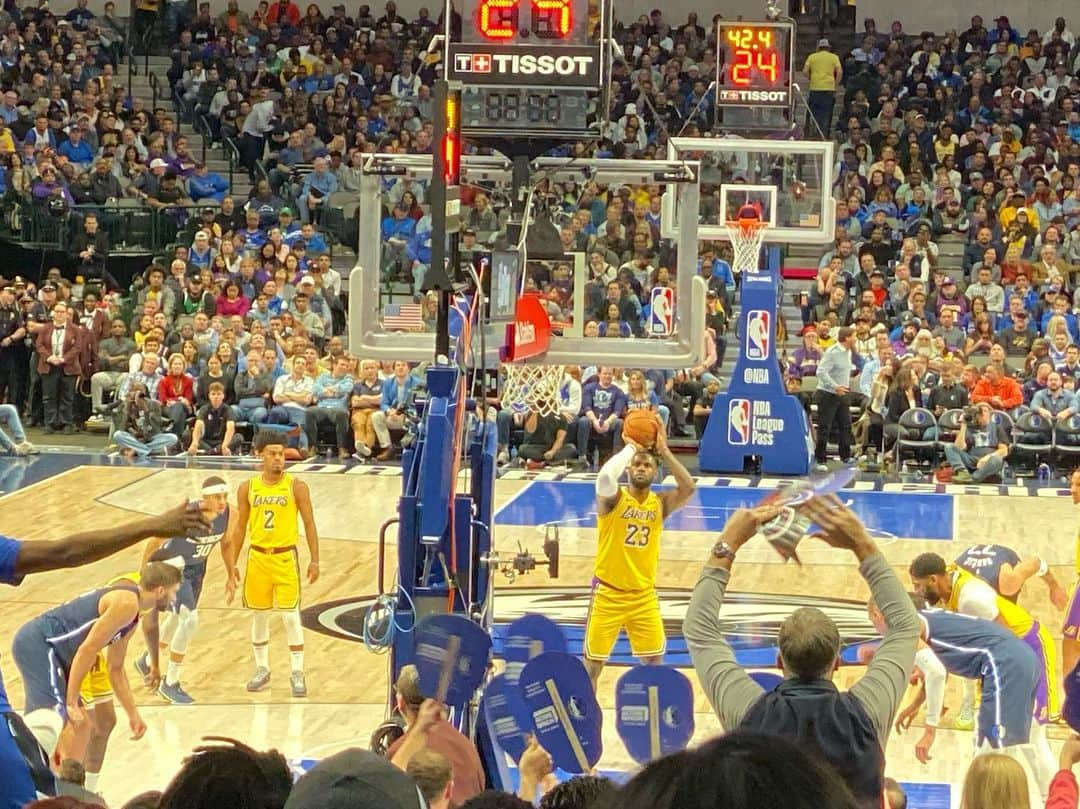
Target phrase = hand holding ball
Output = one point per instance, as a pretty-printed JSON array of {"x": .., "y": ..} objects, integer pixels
[{"x": 641, "y": 427}]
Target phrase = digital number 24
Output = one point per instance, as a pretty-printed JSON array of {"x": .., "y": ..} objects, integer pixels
[{"x": 745, "y": 61}]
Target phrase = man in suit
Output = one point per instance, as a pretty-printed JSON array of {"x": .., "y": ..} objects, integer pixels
[{"x": 59, "y": 350}]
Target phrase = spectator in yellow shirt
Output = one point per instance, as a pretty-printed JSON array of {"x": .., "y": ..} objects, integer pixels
[{"x": 825, "y": 71}]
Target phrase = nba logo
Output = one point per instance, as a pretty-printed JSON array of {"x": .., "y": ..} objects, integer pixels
[
  {"x": 758, "y": 334},
  {"x": 662, "y": 311},
  {"x": 738, "y": 429}
]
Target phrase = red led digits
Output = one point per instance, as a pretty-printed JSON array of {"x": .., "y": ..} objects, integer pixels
[
  {"x": 498, "y": 19},
  {"x": 550, "y": 19}
]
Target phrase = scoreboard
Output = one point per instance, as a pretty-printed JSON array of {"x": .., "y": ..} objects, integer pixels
[
  {"x": 754, "y": 63},
  {"x": 528, "y": 67}
]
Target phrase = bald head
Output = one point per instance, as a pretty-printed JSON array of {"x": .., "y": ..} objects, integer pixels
[{"x": 809, "y": 643}]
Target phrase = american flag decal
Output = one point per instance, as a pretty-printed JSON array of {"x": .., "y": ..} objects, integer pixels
[{"x": 403, "y": 317}]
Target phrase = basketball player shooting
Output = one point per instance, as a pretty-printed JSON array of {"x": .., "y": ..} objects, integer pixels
[
  {"x": 268, "y": 506},
  {"x": 630, "y": 521}
]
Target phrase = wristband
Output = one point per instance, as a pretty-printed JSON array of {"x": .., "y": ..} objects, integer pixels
[{"x": 1043, "y": 569}]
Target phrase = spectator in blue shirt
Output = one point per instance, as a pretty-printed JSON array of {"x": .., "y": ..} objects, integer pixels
[
  {"x": 289, "y": 227},
  {"x": 331, "y": 392},
  {"x": 204, "y": 184},
  {"x": 76, "y": 150},
  {"x": 603, "y": 404},
  {"x": 318, "y": 185},
  {"x": 308, "y": 240},
  {"x": 418, "y": 251},
  {"x": 399, "y": 225},
  {"x": 80, "y": 16}
]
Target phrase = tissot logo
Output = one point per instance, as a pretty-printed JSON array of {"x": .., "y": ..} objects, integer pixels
[
  {"x": 753, "y": 95},
  {"x": 750, "y": 621},
  {"x": 528, "y": 64}
]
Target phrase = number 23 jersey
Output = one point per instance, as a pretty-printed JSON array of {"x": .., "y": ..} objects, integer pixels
[
  {"x": 628, "y": 549},
  {"x": 273, "y": 517}
]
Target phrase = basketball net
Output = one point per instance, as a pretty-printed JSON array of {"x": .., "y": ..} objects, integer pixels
[
  {"x": 746, "y": 236},
  {"x": 529, "y": 386}
]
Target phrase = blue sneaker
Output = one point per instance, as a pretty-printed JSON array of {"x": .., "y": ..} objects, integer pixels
[
  {"x": 142, "y": 664},
  {"x": 175, "y": 694}
]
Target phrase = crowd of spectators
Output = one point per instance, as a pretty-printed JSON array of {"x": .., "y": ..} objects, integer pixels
[{"x": 957, "y": 243}]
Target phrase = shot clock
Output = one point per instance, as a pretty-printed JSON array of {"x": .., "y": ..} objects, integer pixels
[
  {"x": 754, "y": 62},
  {"x": 528, "y": 67}
]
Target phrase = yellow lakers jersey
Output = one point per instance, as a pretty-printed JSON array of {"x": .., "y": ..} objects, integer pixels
[
  {"x": 629, "y": 542},
  {"x": 272, "y": 518},
  {"x": 1015, "y": 617}
]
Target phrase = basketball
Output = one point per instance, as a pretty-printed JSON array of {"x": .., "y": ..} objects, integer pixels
[{"x": 641, "y": 427}]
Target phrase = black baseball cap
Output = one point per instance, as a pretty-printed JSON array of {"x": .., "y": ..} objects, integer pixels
[{"x": 355, "y": 779}]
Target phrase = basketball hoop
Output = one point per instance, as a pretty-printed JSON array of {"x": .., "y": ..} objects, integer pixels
[
  {"x": 746, "y": 236},
  {"x": 529, "y": 386}
]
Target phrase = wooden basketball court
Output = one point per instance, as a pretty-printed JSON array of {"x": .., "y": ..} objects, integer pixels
[{"x": 348, "y": 684}]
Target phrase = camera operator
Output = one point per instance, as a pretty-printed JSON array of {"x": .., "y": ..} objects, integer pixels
[
  {"x": 138, "y": 423},
  {"x": 980, "y": 447}
]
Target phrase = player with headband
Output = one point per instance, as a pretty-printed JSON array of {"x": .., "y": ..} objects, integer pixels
[{"x": 189, "y": 552}]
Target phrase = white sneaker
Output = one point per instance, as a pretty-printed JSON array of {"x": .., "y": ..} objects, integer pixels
[
  {"x": 502, "y": 458},
  {"x": 362, "y": 450},
  {"x": 26, "y": 448},
  {"x": 97, "y": 418},
  {"x": 821, "y": 467}
]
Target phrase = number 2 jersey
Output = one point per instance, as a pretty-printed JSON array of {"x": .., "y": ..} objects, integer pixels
[
  {"x": 628, "y": 551},
  {"x": 192, "y": 551}
]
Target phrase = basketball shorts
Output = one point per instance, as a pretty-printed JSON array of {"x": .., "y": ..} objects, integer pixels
[
  {"x": 191, "y": 587},
  {"x": 1071, "y": 626},
  {"x": 96, "y": 686},
  {"x": 44, "y": 675},
  {"x": 611, "y": 611},
  {"x": 1047, "y": 700},
  {"x": 272, "y": 579},
  {"x": 1009, "y": 690}
]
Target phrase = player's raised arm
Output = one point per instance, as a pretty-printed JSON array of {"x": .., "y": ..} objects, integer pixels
[
  {"x": 607, "y": 479},
  {"x": 311, "y": 533},
  {"x": 685, "y": 487},
  {"x": 90, "y": 546}
]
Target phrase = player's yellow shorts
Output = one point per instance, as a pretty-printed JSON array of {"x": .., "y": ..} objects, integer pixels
[
  {"x": 272, "y": 579},
  {"x": 96, "y": 686},
  {"x": 611, "y": 611}
]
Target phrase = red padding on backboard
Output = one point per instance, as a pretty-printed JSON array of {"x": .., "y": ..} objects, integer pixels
[{"x": 530, "y": 333}]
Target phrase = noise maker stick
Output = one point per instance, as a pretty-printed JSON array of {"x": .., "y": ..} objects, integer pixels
[
  {"x": 654, "y": 722},
  {"x": 568, "y": 728},
  {"x": 453, "y": 646}
]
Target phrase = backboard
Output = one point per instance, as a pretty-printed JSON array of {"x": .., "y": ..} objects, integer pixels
[
  {"x": 799, "y": 171},
  {"x": 389, "y": 320}
]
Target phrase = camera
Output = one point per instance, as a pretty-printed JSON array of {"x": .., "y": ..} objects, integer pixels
[{"x": 971, "y": 415}]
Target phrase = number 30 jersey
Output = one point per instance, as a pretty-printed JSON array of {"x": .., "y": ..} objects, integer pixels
[
  {"x": 628, "y": 549},
  {"x": 273, "y": 516},
  {"x": 195, "y": 548}
]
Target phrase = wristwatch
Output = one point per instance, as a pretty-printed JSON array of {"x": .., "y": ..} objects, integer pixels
[{"x": 721, "y": 550}]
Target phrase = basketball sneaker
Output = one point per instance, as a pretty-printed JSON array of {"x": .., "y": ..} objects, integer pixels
[
  {"x": 298, "y": 683},
  {"x": 259, "y": 680},
  {"x": 965, "y": 720},
  {"x": 142, "y": 664},
  {"x": 175, "y": 694}
]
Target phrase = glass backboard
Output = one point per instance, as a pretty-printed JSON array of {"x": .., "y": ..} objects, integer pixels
[{"x": 800, "y": 171}]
